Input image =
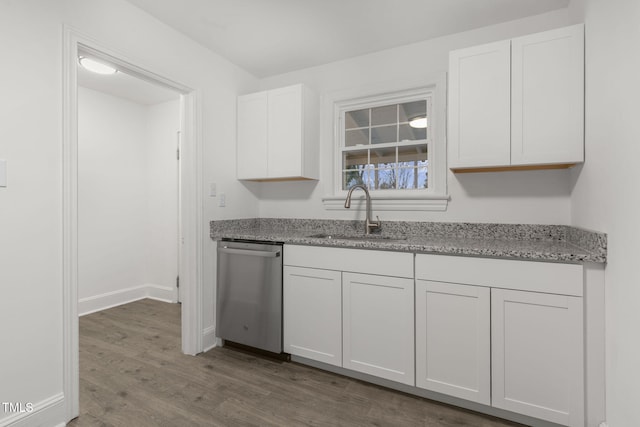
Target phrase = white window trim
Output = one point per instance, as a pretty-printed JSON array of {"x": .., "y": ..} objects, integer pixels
[{"x": 434, "y": 198}]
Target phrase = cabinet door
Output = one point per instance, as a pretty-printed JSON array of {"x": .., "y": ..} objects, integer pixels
[
  {"x": 378, "y": 326},
  {"x": 285, "y": 132},
  {"x": 453, "y": 341},
  {"x": 251, "y": 155},
  {"x": 312, "y": 317},
  {"x": 548, "y": 97},
  {"x": 480, "y": 106},
  {"x": 537, "y": 355}
]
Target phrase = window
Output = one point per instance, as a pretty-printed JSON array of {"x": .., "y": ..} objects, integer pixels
[
  {"x": 385, "y": 147},
  {"x": 390, "y": 139}
]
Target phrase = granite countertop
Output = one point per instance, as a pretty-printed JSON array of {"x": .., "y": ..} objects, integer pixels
[{"x": 532, "y": 242}]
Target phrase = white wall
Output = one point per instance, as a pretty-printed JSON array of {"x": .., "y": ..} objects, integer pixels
[
  {"x": 605, "y": 196},
  {"x": 127, "y": 200},
  {"x": 31, "y": 35},
  {"x": 510, "y": 197},
  {"x": 112, "y": 194}
]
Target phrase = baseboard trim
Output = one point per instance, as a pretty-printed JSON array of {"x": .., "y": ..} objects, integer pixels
[
  {"x": 432, "y": 395},
  {"x": 209, "y": 339},
  {"x": 162, "y": 293},
  {"x": 48, "y": 412},
  {"x": 124, "y": 296}
]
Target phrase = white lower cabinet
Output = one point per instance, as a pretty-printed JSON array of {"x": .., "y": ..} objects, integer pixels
[
  {"x": 537, "y": 355},
  {"x": 312, "y": 314},
  {"x": 503, "y": 333},
  {"x": 378, "y": 326},
  {"x": 453, "y": 341}
]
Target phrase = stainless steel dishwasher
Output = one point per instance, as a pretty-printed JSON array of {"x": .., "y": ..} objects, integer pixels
[{"x": 249, "y": 294}]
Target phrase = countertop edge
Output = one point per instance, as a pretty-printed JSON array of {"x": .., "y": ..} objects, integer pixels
[{"x": 575, "y": 257}]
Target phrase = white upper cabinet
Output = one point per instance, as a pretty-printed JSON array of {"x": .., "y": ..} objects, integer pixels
[
  {"x": 252, "y": 136},
  {"x": 547, "y": 110},
  {"x": 278, "y": 135},
  {"x": 479, "y": 106},
  {"x": 518, "y": 103}
]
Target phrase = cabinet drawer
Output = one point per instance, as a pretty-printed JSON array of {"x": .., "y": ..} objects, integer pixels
[
  {"x": 398, "y": 264},
  {"x": 553, "y": 278}
]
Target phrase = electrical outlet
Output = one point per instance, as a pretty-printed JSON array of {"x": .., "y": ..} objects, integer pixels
[{"x": 223, "y": 200}]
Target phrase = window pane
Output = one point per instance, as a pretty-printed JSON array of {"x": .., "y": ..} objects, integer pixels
[
  {"x": 382, "y": 156},
  {"x": 384, "y": 178},
  {"x": 356, "y": 119},
  {"x": 384, "y": 134},
  {"x": 391, "y": 166},
  {"x": 351, "y": 159},
  {"x": 412, "y": 178},
  {"x": 410, "y": 110},
  {"x": 353, "y": 177},
  {"x": 408, "y": 133},
  {"x": 355, "y": 137},
  {"x": 423, "y": 175},
  {"x": 386, "y": 115},
  {"x": 412, "y": 153}
]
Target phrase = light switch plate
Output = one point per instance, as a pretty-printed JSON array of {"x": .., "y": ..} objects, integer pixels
[
  {"x": 3, "y": 173},
  {"x": 212, "y": 189}
]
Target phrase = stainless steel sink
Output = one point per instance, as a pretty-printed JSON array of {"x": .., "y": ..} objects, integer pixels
[{"x": 361, "y": 237}]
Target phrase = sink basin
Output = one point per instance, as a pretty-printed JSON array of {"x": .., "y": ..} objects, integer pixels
[{"x": 361, "y": 237}]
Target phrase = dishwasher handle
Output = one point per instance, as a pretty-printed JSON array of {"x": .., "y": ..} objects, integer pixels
[{"x": 264, "y": 254}]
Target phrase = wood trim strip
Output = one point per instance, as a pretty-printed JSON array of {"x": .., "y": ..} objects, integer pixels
[{"x": 513, "y": 168}]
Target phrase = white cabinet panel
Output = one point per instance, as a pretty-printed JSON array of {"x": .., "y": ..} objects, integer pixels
[
  {"x": 548, "y": 277},
  {"x": 479, "y": 105},
  {"x": 518, "y": 103},
  {"x": 251, "y": 150},
  {"x": 378, "y": 326},
  {"x": 537, "y": 355},
  {"x": 385, "y": 263},
  {"x": 453, "y": 341},
  {"x": 285, "y": 132},
  {"x": 312, "y": 317},
  {"x": 277, "y": 135},
  {"x": 548, "y": 97}
]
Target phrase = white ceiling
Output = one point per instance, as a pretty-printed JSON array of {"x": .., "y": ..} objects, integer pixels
[{"x": 269, "y": 37}]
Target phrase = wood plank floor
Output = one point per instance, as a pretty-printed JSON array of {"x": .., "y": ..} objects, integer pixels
[{"x": 132, "y": 373}]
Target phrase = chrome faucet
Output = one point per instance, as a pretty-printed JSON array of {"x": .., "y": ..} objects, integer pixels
[{"x": 369, "y": 224}]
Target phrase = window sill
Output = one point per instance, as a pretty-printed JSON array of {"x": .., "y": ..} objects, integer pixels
[{"x": 431, "y": 202}]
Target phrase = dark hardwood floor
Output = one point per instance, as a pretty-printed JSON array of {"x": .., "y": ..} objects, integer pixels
[{"x": 132, "y": 373}]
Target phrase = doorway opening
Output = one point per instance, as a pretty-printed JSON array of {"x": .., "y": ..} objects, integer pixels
[
  {"x": 188, "y": 227},
  {"x": 128, "y": 192}
]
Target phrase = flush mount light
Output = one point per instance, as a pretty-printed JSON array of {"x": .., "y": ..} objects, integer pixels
[
  {"x": 96, "y": 66},
  {"x": 419, "y": 122}
]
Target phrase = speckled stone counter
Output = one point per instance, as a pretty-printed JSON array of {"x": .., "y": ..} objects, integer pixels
[{"x": 557, "y": 243}]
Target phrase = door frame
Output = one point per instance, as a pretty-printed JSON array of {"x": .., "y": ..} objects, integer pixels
[{"x": 190, "y": 205}]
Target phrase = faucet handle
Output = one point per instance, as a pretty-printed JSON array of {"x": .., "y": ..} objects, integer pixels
[{"x": 374, "y": 224}]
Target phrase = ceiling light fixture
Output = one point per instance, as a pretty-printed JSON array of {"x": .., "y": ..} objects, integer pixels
[
  {"x": 419, "y": 122},
  {"x": 96, "y": 66}
]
